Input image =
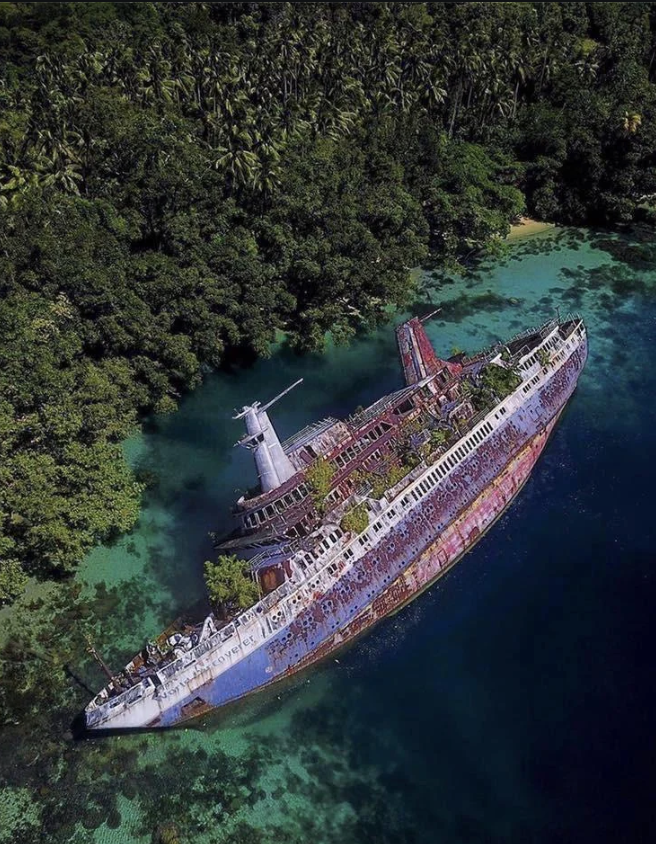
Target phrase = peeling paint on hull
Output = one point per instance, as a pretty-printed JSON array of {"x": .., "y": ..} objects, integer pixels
[
  {"x": 418, "y": 534},
  {"x": 447, "y": 550},
  {"x": 434, "y": 562}
]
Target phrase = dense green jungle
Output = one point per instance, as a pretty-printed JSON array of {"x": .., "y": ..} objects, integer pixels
[{"x": 181, "y": 184}]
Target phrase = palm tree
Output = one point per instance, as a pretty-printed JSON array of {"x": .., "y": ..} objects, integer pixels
[
  {"x": 14, "y": 182},
  {"x": 333, "y": 121},
  {"x": 266, "y": 176},
  {"x": 236, "y": 158},
  {"x": 154, "y": 77},
  {"x": 631, "y": 122},
  {"x": 587, "y": 69},
  {"x": 65, "y": 177}
]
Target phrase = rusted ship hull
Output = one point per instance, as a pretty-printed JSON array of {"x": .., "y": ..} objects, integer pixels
[
  {"x": 459, "y": 538},
  {"x": 416, "y": 532},
  {"x": 435, "y": 561}
]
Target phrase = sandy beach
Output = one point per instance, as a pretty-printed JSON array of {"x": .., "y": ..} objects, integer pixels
[{"x": 526, "y": 227}]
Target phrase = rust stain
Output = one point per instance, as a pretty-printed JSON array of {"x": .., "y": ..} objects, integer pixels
[{"x": 440, "y": 556}]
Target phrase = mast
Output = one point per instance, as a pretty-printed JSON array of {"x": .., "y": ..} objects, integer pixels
[
  {"x": 273, "y": 465},
  {"x": 91, "y": 649}
]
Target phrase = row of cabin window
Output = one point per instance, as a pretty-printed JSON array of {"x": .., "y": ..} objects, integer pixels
[
  {"x": 364, "y": 442},
  {"x": 427, "y": 483},
  {"x": 565, "y": 348},
  {"x": 260, "y": 517},
  {"x": 433, "y": 478},
  {"x": 534, "y": 380},
  {"x": 368, "y": 464},
  {"x": 324, "y": 545},
  {"x": 469, "y": 444},
  {"x": 299, "y": 529},
  {"x": 331, "y": 539},
  {"x": 441, "y": 470},
  {"x": 373, "y": 458},
  {"x": 376, "y": 527},
  {"x": 333, "y": 496},
  {"x": 550, "y": 344}
]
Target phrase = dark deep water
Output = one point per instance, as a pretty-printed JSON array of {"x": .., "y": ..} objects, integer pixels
[{"x": 512, "y": 702}]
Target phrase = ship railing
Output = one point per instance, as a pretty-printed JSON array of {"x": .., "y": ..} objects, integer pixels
[
  {"x": 542, "y": 329},
  {"x": 131, "y": 695},
  {"x": 255, "y": 561},
  {"x": 379, "y": 407},
  {"x": 173, "y": 667},
  {"x": 476, "y": 418},
  {"x": 574, "y": 318},
  {"x": 406, "y": 480},
  {"x": 284, "y": 589},
  {"x": 511, "y": 403},
  {"x": 543, "y": 333},
  {"x": 484, "y": 353},
  {"x": 305, "y": 435},
  {"x": 202, "y": 648},
  {"x": 434, "y": 456},
  {"x": 314, "y": 572},
  {"x": 496, "y": 417},
  {"x": 124, "y": 699},
  {"x": 519, "y": 354},
  {"x": 218, "y": 638}
]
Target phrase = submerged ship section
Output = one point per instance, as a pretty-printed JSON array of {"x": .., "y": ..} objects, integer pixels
[{"x": 428, "y": 469}]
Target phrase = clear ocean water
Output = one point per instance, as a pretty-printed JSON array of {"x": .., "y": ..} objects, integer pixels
[{"x": 512, "y": 702}]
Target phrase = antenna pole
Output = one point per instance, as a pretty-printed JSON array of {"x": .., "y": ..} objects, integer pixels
[
  {"x": 430, "y": 315},
  {"x": 280, "y": 395},
  {"x": 91, "y": 648}
]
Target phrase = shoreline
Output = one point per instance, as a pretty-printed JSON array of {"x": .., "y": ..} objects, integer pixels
[{"x": 527, "y": 227}]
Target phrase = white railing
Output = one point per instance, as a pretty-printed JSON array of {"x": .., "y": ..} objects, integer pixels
[{"x": 316, "y": 575}]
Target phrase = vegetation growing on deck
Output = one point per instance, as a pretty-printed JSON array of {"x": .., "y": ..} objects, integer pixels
[
  {"x": 492, "y": 385},
  {"x": 230, "y": 585},
  {"x": 355, "y": 520},
  {"x": 543, "y": 357},
  {"x": 440, "y": 437},
  {"x": 391, "y": 476},
  {"x": 319, "y": 476}
]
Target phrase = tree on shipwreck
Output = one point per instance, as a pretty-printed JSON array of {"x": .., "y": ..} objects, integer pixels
[{"x": 230, "y": 586}]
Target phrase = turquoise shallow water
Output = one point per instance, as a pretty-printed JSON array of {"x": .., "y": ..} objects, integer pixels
[{"x": 511, "y": 702}]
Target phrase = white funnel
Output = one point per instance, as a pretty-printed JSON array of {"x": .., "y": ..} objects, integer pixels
[{"x": 273, "y": 465}]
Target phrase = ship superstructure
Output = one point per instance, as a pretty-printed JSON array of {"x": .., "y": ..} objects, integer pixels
[{"x": 432, "y": 466}]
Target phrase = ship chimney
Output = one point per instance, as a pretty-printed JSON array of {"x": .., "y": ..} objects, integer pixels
[{"x": 273, "y": 465}]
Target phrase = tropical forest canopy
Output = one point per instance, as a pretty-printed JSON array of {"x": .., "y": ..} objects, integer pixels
[{"x": 180, "y": 180}]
